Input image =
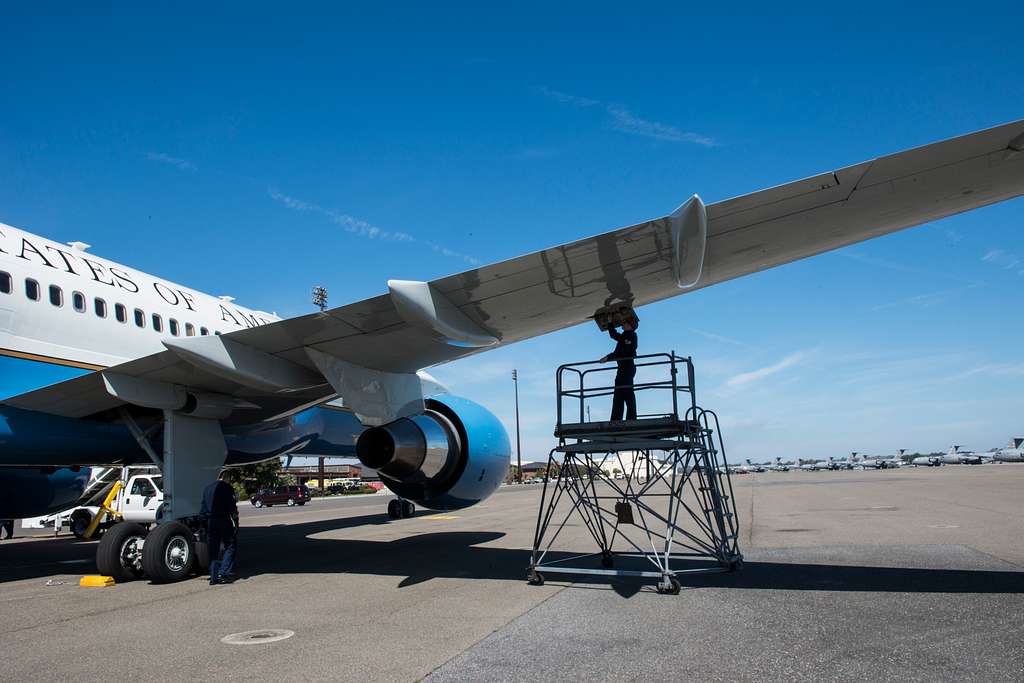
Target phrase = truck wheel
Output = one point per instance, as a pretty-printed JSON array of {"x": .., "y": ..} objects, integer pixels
[
  {"x": 169, "y": 554},
  {"x": 79, "y": 522},
  {"x": 119, "y": 553}
]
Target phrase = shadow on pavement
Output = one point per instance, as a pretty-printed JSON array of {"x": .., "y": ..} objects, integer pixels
[{"x": 294, "y": 549}]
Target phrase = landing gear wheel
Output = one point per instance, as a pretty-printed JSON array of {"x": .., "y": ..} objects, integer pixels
[
  {"x": 291, "y": 502},
  {"x": 202, "y": 558},
  {"x": 395, "y": 509},
  {"x": 607, "y": 559},
  {"x": 408, "y": 509},
  {"x": 669, "y": 585},
  {"x": 119, "y": 553},
  {"x": 535, "y": 578},
  {"x": 169, "y": 554},
  {"x": 79, "y": 523}
]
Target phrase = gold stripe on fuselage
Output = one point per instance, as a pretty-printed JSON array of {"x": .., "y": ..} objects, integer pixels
[{"x": 50, "y": 359}]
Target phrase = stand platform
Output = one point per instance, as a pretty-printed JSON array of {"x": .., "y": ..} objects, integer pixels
[{"x": 653, "y": 493}]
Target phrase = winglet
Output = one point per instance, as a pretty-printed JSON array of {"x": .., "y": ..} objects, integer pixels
[{"x": 689, "y": 227}]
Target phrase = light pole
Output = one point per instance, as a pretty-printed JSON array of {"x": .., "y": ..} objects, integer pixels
[{"x": 519, "y": 460}]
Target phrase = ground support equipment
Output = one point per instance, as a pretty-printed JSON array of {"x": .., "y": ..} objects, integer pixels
[{"x": 654, "y": 494}]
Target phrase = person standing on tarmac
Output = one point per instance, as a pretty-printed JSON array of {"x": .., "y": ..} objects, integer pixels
[
  {"x": 624, "y": 353},
  {"x": 221, "y": 514}
]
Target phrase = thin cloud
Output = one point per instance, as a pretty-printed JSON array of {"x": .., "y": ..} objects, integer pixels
[
  {"x": 928, "y": 299},
  {"x": 625, "y": 121},
  {"x": 363, "y": 229},
  {"x": 1004, "y": 260},
  {"x": 745, "y": 378},
  {"x": 720, "y": 338},
  {"x": 180, "y": 164}
]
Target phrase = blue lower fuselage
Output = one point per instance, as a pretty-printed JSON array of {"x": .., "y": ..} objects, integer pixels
[{"x": 34, "y": 439}]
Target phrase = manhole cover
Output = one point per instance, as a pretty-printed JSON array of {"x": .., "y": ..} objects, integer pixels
[{"x": 263, "y": 635}]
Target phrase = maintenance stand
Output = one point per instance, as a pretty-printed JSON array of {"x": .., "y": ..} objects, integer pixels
[{"x": 654, "y": 493}]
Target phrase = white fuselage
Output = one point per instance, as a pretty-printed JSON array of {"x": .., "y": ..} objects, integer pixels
[
  {"x": 1010, "y": 455},
  {"x": 117, "y": 312}
]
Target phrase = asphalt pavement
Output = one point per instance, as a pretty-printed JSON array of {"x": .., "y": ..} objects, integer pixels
[{"x": 909, "y": 574}]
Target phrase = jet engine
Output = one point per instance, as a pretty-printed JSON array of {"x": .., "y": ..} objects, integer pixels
[
  {"x": 452, "y": 456},
  {"x": 32, "y": 491}
]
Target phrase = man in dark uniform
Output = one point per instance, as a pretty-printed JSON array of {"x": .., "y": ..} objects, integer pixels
[
  {"x": 221, "y": 514},
  {"x": 624, "y": 353}
]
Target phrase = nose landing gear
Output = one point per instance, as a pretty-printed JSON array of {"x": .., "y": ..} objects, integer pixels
[{"x": 399, "y": 508}]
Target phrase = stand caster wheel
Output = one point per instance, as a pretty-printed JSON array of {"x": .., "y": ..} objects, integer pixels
[
  {"x": 607, "y": 559},
  {"x": 669, "y": 586},
  {"x": 535, "y": 578}
]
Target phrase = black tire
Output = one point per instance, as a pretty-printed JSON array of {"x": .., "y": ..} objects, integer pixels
[
  {"x": 79, "y": 522},
  {"x": 117, "y": 556},
  {"x": 169, "y": 554},
  {"x": 202, "y": 558},
  {"x": 302, "y": 503},
  {"x": 408, "y": 509},
  {"x": 291, "y": 502},
  {"x": 395, "y": 509}
]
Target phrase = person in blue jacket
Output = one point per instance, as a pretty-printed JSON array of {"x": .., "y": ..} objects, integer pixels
[
  {"x": 220, "y": 510},
  {"x": 624, "y": 353}
]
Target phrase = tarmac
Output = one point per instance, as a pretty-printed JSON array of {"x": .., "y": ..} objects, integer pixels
[{"x": 909, "y": 574}]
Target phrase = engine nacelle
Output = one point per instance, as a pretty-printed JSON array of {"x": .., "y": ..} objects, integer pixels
[
  {"x": 31, "y": 491},
  {"x": 452, "y": 456}
]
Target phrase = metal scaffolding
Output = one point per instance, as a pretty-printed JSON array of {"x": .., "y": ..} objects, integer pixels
[{"x": 654, "y": 493}]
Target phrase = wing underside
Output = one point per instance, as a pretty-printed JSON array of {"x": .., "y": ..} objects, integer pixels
[{"x": 562, "y": 286}]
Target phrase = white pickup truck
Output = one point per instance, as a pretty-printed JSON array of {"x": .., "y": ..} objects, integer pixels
[{"x": 137, "y": 501}]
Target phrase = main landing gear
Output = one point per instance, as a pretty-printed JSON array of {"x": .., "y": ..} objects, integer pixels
[
  {"x": 175, "y": 549},
  {"x": 399, "y": 508},
  {"x": 169, "y": 552}
]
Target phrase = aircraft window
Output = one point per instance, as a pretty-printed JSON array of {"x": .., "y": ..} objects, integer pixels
[
  {"x": 140, "y": 318},
  {"x": 56, "y": 295},
  {"x": 158, "y": 323},
  {"x": 5, "y": 282},
  {"x": 78, "y": 301},
  {"x": 100, "y": 306},
  {"x": 32, "y": 289},
  {"x": 203, "y": 331},
  {"x": 142, "y": 487},
  {"x": 121, "y": 313},
  {"x": 190, "y": 330},
  {"x": 172, "y": 325}
]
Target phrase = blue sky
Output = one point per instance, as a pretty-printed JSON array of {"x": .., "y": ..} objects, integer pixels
[{"x": 251, "y": 152}]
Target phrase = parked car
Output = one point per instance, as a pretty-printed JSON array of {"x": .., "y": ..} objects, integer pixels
[{"x": 280, "y": 495}]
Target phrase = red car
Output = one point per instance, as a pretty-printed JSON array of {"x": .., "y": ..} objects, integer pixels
[{"x": 281, "y": 495}]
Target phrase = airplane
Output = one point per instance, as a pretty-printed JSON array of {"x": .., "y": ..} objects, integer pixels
[
  {"x": 778, "y": 466},
  {"x": 1014, "y": 452},
  {"x": 927, "y": 461},
  {"x": 107, "y": 365},
  {"x": 955, "y": 456}
]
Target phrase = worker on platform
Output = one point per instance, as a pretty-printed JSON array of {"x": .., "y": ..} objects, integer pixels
[
  {"x": 220, "y": 510},
  {"x": 624, "y": 353}
]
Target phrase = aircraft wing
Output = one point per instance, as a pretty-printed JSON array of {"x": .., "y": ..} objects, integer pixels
[{"x": 384, "y": 340}]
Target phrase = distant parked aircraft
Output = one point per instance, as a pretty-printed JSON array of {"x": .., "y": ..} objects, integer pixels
[{"x": 1012, "y": 453}]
